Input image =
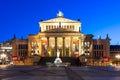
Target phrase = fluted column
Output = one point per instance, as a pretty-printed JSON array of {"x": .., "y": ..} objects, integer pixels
[
  {"x": 82, "y": 47},
  {"x": 48, "y": 41},
  {"x": 47, "y": 45},
  {"x": 63, "y": 46},
  {"x": 79, "y": 42},
  {"x": 71, "y": 43},
  {"x": 55, "y": 45},
  {"x": 40, "y": 48}
]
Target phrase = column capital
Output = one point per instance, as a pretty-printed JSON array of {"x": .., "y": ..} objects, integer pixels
[{"x": 71, "y": 37}]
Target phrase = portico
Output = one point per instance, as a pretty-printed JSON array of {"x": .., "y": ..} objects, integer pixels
[{"x": 58, "y": 34}]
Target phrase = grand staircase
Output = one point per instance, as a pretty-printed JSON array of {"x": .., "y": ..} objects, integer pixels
[{"x": 72, "y": 60}]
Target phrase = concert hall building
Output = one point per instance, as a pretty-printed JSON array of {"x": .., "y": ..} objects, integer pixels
[{"x": 64, "y": 35}]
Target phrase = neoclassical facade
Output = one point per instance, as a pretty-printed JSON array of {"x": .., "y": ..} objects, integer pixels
[
  {"x": 59, "y": 34},
  {"x": 64, "y": 35}
]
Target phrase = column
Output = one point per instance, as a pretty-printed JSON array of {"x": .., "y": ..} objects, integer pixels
[
  {"x": 40, "y": 49},
  {"x": 71, "y": 51},
  {"x": 47, "y": 45},
  {"x": 82, "y": 46},
  {"x": 55, "y": 45},
  {"x": 48, "y": 42},
  {"x": 63, "y": 46},
  {"x": 79, "y": 46},
  {"x": 29, "y": 48}
]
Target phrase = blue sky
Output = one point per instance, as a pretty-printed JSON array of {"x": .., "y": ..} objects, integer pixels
[{"x": 98, "y": 17}]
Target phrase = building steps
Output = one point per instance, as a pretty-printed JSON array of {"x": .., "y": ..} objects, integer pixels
[{"x": 72, "y": 60}]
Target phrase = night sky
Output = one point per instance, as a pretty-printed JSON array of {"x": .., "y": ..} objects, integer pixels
[{"x": 98, "y": 17}]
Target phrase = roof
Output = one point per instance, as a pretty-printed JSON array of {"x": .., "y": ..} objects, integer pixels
[
  {"x": 60, "y": 19},
  {"x": 114, "y": 46}
]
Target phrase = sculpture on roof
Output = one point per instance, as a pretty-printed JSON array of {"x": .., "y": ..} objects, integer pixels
[{"x": 59, "y": 14}]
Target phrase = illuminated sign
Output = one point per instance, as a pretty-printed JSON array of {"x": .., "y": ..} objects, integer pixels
[
  {"x": 15, "y": 58},
  {"x": 106, "y": 59}
]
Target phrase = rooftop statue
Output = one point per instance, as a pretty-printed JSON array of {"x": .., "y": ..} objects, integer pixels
[{"x": 59, "y": 14}]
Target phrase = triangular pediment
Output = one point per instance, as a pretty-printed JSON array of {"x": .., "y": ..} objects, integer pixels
[
  {"x": 60, "y": 19},
  {"x": 60, "y": 22}
]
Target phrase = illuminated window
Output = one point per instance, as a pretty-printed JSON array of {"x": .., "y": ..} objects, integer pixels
[
  {"x": 64, "y": 26},
  {"x": 87, "y": 44},
  {"x": 73, "y": 27},
  {"x": 46, "y": 27},
  {"x": 67, "y": 27},
  {"x": 52, "y": 26}
]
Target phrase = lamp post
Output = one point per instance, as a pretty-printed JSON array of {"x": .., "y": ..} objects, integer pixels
[{"x": 118, "y": 57}]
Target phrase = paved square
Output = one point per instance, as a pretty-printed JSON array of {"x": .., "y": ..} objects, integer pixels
[{"x": 58, "y": 73}]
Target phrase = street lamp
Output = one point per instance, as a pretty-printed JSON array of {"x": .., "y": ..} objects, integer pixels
[{"x": 118, "y": 57}]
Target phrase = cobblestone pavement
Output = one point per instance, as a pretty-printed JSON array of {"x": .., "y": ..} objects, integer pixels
[{"x": 58, "y": 73}]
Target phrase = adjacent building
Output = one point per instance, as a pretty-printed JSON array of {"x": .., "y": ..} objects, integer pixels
[
  {"x": 115, "y": 54},
  {"x": 5, "y": 52}
]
